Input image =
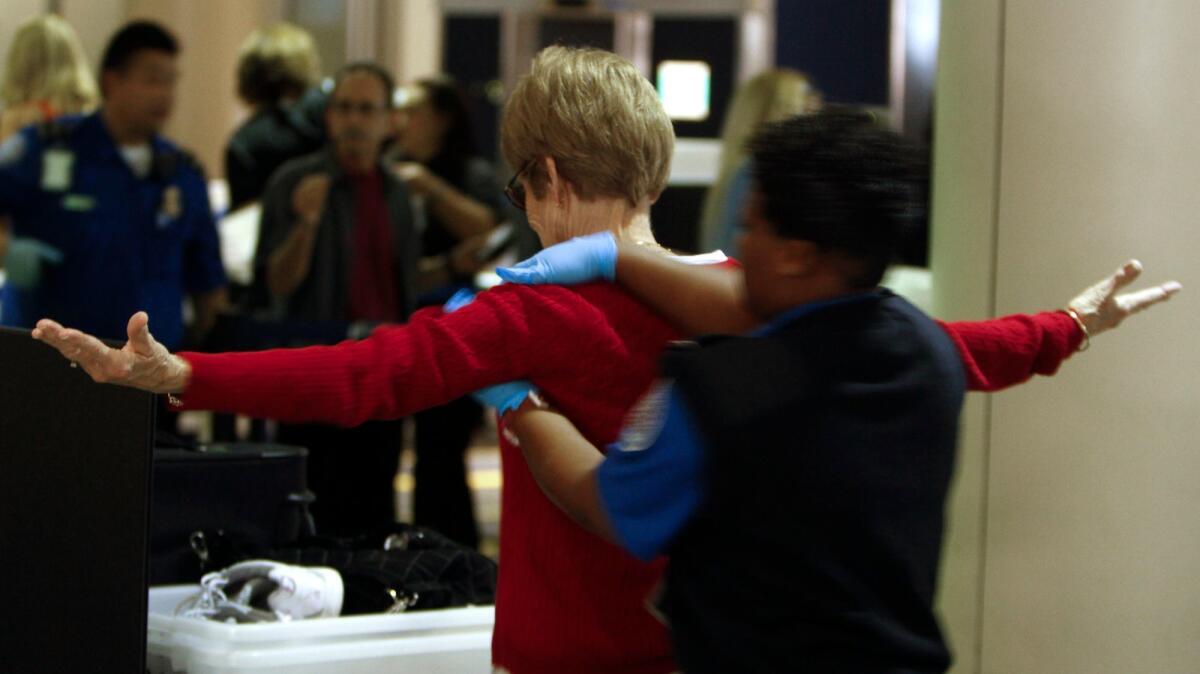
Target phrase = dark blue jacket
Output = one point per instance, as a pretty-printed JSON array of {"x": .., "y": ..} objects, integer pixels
[
  {"x": 830, "y": 445},
  {"x": 128, "y": 243}
]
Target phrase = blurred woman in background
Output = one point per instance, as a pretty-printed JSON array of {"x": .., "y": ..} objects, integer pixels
[
  {"x": 767, "y": 97},
  {"x": 438, "y": 158},
  {"x": 277, "y": 70},
  {"x": 45, "y": 75}
]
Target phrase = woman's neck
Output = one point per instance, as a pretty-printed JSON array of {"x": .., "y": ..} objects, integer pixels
[{"x": 627, "y": 223}]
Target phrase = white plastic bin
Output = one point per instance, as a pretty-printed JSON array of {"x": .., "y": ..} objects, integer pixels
[{"x": 446, "y": 641}]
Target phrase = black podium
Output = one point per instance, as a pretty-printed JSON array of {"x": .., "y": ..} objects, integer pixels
[{"x": 75, "y": 460}]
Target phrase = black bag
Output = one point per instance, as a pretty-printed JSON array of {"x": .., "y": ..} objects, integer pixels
[
  {"x": 399, "y": 568},
  {"x": 218, "y": 504}
]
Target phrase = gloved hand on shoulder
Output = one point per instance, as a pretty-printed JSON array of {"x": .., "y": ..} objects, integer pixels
[{"x": 579, "y": 260}]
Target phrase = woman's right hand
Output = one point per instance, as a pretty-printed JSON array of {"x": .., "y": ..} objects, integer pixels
[{"x": 142, "y": 363}]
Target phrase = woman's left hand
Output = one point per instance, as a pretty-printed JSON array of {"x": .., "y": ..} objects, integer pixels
[{"x": 1101, "y": 308}]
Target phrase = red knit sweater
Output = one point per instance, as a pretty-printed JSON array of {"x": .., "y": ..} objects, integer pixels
[{"x": 567, "y": 601}]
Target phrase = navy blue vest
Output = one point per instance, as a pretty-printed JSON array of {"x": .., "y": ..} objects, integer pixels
[{"x": 829, "y": 449}]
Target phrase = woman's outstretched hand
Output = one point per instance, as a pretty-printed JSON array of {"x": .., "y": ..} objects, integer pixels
[
  {"x": 142, "y": 363},
  {"x": 1100, "y": 308}
]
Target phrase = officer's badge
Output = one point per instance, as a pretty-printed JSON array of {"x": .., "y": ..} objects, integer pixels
[
  {"x": 646, "y": 418},
  {"x": 172, "y": 204},
  {"x": 56, "y": 170}
]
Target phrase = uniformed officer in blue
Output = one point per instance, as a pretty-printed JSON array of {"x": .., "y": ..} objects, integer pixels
[{"x": 110, "y": 218}]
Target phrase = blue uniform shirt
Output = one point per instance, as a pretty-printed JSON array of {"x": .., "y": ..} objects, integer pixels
[
  {"x": 128, "y": 243},
  {"x": 651, "y": 481}
]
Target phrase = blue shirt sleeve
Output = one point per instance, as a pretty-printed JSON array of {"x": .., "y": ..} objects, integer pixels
[{"x": 651, "y": 487}]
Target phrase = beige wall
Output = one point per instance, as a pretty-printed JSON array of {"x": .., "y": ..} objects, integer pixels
[
  {"x": 411, "y": 40},
  {"x": 95, "y": 21},
  {"x": 207, "y": 109},
  {"x": 964, "y": 206},
  {"x": 14, "y": 12},
  {"x": 1081, "y": 490}
]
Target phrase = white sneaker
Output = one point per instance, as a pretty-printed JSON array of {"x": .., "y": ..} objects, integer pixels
[{"x": 296, "y": 593}]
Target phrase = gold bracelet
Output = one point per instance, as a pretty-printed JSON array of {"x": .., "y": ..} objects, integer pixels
[{"x": 1087, "y": 339}]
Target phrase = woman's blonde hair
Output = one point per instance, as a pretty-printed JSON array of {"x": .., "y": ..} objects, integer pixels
[
  {"x": 598, "y": 117},
  {"x": 46, "y": 63},
  {"x": 770, "y": 96},
  {"x": 276, "y": 62}
]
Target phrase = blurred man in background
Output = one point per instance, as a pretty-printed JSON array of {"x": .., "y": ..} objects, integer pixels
[{"x": 339, "y": 244}]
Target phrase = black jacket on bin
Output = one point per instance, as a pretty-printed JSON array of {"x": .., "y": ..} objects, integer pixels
[{"x": 829, "y": 449}]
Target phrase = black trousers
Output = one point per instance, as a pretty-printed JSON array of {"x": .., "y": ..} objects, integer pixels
[
  {"x": 441, "y": 497},
  {"x": 351, "y": 471}
]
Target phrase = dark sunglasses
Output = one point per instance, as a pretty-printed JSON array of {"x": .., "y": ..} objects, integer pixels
[{"x": 515, "y": 191}]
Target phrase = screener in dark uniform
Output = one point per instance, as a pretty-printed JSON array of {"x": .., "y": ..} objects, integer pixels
[{"x": 115, "y": 217}]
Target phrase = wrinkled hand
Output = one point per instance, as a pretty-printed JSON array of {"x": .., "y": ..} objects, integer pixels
[
  {"x": 1101, "y": 308},
  {"x": 24, "y": 259},
  {"x": 308, "y": 197},
  {"x": 142, "y": 363},
  {"x": 586, "y": 258}
]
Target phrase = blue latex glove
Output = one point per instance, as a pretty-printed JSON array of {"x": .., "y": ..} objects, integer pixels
[
  {"x": 503, "y": 397},
  {"x": 586, "y": 258},
  {"x": 458, "y": 300},
  {"x": 23, "y": 263}
]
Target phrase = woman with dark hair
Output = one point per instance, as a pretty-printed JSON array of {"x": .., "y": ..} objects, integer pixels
[
  {"x": 438, "y": 158},
  {"x": 463, "y": 202}
]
